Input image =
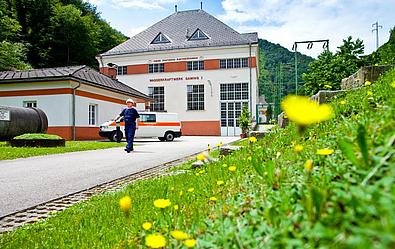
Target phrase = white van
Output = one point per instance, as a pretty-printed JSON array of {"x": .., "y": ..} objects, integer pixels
[{"x": 163, "y": 125}]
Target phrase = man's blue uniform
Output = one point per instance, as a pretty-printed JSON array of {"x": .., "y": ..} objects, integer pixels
[{"x": 129, "y": 117}]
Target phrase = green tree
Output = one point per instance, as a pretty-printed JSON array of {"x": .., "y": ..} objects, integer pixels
[
  {"x": 329, "y": 69},
  {"x": 12, "y": 56}
]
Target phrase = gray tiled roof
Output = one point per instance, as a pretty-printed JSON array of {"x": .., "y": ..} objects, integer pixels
[
  {"x": 177, "y": 26},
  {"x": 81, "y": 73}
]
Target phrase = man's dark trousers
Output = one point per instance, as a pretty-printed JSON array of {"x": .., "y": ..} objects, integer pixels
[{"x": 130, "y": 130}]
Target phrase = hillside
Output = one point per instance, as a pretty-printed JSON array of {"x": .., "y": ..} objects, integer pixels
[
  {"x": 272, "y": 55},
  {"x": 52, "y": 33}
]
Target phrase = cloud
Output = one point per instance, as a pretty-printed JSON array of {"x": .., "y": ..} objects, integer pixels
[
  {"x": 135, "y": 30},
  {"x": 287, "y": 21}
]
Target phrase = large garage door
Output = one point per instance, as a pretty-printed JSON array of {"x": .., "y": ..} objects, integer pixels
[{"x": 232, "y": 98}]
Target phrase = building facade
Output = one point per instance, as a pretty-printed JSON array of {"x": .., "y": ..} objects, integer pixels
[
  {"x": 76, "y": 99},
  {"x": 192, "y": 64}
]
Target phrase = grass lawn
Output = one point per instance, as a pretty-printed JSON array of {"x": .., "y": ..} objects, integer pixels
[
  {"x": 267, "y": 195},
  {"x": 7, "y": 152}
]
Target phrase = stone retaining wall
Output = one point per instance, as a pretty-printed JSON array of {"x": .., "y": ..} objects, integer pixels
[{"x": 369, "y": 73}]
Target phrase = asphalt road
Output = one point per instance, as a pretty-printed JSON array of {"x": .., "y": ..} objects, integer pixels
[{"x": 31, "y": 181}]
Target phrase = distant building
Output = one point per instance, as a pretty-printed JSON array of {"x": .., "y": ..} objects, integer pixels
[
  {"x": 75, "y": 99},
  {"x": 192, "y": 64}
]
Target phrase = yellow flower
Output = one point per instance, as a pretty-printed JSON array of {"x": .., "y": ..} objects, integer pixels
[
  {"x": 303, "y": 111},
  {"x": 196, "y": 174},
  {"x": 252, "y": 139},
  {"x": 232, "y": 168},
  {"x": 147, "y": 226},
  {"x": 249, "y": 158},
  {"x": 298, "y": 148},
  {"x": 213, "y": 198},
  {"x": 190, "y": 243},
  {"x": 368, "y": 83},
  {"x": 308, "y": 165},
  {"x": 343, "y": 102},
  {"x": 202, "y": 171},
  {"x": 155, "y": 241},
  {"x": 125, "y": 203},
  {"x": 181, "y": 193},
  {"x": 369, "y": 93},
  {"x": 191, "y": 190},
  {"x": 219, "y": 183},
  {"x": 393, "y": 84},
  {"x": 179, "y": 235},
  {"x": 162, "y": 203},
  {"x": 175, "y": 207},
  {"x": 201, "y": 157},
  {"x": 324, "y": 152},
  {"x": 219, "y": 144}
]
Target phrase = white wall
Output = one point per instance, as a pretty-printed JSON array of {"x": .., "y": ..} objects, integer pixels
[{"x": 56, "y": 107}]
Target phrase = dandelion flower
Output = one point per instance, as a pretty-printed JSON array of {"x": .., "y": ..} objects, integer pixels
[
  {"x": 369, "y": 93},
  {"x": 343, "y": 102},
  {"x": 252, "y": 139},
  {"x": 219, "y": 183},
  {"x": 232, "y": 168},
  {"x": 202, "y": 171},
  {"x": 298, "y": 148},
  {"x": 368, "y": 83},
  {"x": 190, "y": 243},
  {"x": 191, "y": 190},
  {"x": 201, "y": 157},
  {"x": 147, "y": 226},
  {"x": 155, "y": 241},
  {"x": 162, "y": 203},
  {"x": 304, "y": 112},
  {"x": 125, "y": 203},
  {"x": 249, "y": 158},
  {"x": 179, "y": 235},
  {"x": 213, "y": 198},
  {"x": 175, "y": 207},
  {"x": 197, "y": 174},
  {"x": 324, "y": 152},
  {"x": 393, "y": 84},
  {"x": 308, "y": 165},
  {"x": 181, "y": 193},
  {"x": 219, "y": 144}
]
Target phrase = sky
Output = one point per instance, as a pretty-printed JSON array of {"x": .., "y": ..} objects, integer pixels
[{"x": 278, "y": 21}]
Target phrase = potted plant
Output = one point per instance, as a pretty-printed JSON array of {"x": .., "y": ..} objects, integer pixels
[{"x": 245, "y": 121}]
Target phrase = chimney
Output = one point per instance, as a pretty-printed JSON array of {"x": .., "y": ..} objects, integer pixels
[
  {"x": 201, "y": 5},
  {"x": 175, "y": 8},
  {"x": 110, "y": 70}
]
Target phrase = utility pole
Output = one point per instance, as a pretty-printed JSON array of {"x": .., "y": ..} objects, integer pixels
[{"x": 376, "y": 29}]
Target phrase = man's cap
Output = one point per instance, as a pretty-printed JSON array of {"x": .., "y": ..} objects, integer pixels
[{"x": 130, "y": 101}]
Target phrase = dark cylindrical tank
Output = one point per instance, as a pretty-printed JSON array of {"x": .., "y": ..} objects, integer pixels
[{"x": 15, "y": 121}]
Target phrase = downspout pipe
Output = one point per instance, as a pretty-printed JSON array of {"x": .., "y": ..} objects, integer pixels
[
  {"x": 73, "y": 111},
  {"x": 249, "y": 65}
]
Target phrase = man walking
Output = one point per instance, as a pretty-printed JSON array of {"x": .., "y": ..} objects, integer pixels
[{"x": 131, "y": 119}]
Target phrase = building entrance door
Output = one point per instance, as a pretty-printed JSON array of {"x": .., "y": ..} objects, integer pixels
[{"x": 232, "y": 98}]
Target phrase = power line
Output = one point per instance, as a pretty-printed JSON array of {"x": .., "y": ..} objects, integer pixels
[{"x": 377, "y": 26}]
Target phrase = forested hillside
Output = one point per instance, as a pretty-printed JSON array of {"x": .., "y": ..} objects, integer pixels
[
  {"x": 277, "y": 76},
  {"x": 49, "y": 33}
]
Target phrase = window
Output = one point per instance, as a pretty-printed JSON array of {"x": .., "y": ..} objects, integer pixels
[
  {"x": 233, "y": 63},
  {"x": 195, "y": 65},
  {"x": 198, "y": 35},
  {"x": 122, "y": 70},
  {"x": 30, "y": 103},
  {"x": 92, "y": 114},
  {"x": 158, "y": 94},
  {"x": 156, "y": 68},
  {"x": 195, "y": 97},
  {"x": 151, "y": 118},
  {"x": 160, "y": 38},
  {"x": 234, "y": 91}
]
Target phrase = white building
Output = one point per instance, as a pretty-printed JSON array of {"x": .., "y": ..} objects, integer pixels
[
  {"x": 75, "y": 99},
  {"x": 192, "y": 64}
]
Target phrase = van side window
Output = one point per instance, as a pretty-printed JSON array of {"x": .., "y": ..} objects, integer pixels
[{"x": 147, "y": 118}]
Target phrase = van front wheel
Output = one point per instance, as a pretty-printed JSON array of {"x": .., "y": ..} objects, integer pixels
[
  {"x": 113, "y": 136},
  {"x": 169, "y": 136}
]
